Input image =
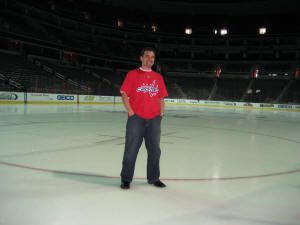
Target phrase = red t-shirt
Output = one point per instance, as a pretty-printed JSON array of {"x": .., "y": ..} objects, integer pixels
[{"x": 144, "y": 89}]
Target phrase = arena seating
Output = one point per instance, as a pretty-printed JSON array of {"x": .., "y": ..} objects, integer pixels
[
  {"x": 31, "y": 77},
  {"x": 101, "y": 53}
]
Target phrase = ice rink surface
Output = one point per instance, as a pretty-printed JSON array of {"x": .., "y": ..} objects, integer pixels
[{"x": 60, "y": 165}]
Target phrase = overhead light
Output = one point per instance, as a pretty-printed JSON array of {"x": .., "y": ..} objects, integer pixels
[
  {"x": 188, "y": 30},
  {"x": 154, "y": 27},
  {"x": 120, "y": 23},
  {"x": 224, "y": 31},
  {"x": 262, "y": 30}
]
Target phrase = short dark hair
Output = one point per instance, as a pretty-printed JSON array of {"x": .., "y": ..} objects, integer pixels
[{"x": 147, "y": 49}]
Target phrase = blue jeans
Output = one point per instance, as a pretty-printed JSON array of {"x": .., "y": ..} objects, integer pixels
[{"x": 138, "y": 129}]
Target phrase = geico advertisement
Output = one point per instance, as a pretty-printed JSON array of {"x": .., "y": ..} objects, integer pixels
[{"x": 65, "y": 97}]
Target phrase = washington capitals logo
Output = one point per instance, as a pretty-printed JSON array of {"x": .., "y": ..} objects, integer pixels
[{"x": 151, "y": 89}]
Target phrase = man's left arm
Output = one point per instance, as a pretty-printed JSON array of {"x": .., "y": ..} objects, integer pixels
[
  {"x": 162, "y": 94},
  {"x": 162, "y": 106}
]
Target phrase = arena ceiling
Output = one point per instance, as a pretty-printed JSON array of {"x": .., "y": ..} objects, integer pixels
[{"x": 209, "y": 7}]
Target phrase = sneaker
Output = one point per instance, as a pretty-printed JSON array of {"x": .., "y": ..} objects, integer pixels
[
  {"x": 158, "y": 184},
  {"x": 125, "y": 185}
]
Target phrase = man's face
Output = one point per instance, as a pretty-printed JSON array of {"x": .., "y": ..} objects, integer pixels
[{"x": 147, "y": 59}]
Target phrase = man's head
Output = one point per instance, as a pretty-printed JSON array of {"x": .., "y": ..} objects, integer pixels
[{"x": 147, "y": 57}]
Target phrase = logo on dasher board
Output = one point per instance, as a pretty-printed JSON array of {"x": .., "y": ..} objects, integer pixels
[
  {"x": 65, "y": 97},
  {"x": 285, "y": 106},
  {"x": 8, "y": 96},
  {"x": 267, "y": 105},
  {"x": 151, "y": 89},
  {"x": 89, "y": 98}
]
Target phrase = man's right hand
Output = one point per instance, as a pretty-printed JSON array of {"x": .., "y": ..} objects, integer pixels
[{"x": 127, "y": 104}]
